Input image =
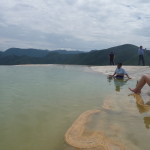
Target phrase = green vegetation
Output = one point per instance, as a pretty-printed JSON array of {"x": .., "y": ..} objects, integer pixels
[{"x": 127, "y": 54}]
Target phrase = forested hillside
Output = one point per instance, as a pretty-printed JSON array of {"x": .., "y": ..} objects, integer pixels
[{"x": 127, "y": 54}]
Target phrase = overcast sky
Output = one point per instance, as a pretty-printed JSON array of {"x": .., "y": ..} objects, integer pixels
[{"x": 74, "y": 24}]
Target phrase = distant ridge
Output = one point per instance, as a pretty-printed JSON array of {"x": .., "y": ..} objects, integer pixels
[
  {"x": 25, "y": 52},
  {"x": 127, "y": 54},
  {"x": 34, "y": 52}
]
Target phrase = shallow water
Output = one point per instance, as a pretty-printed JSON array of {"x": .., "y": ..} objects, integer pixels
[{"x": 39, "y": 103}]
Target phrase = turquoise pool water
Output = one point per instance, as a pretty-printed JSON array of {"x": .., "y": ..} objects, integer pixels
[{"x": 38, "y": 103}]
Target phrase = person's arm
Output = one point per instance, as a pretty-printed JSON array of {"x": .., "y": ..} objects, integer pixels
[
  {"x": 128, "y": 76},
  {"x": 125, "y": 73},
  {"x": 113, "y": 74}
]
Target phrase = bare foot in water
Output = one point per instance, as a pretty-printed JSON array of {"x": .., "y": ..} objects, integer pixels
[{"x": 135, "y": 91}]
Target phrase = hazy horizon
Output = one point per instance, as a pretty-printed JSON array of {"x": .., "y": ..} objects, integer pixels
[
  {"x": 73, "y": 24},
  {"x": 63, "y": 49}
]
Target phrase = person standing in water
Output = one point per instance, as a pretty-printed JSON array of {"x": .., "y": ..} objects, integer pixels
[{"x": 141, "y": 52}]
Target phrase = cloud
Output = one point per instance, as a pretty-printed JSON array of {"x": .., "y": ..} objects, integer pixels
[{"x": 75, "y": 24}]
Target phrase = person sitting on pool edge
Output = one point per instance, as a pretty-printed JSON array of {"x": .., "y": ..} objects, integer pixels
[
  {"x": 140, "y": 84},
  {"x": 119, "y": 72}
]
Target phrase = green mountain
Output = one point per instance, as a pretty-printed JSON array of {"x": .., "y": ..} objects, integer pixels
[
  {"x": 25, "y": 52},
  {"x": 34, "y": 52},
  {"x": 127, "y": 54}
]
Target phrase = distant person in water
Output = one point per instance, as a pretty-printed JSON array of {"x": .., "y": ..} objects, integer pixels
[
  {"x": 144, "y": 79},
  {"x": 111, "y": 58},
  {"x": 141, "y": 52},
  {"x": 119, "y": 72}
]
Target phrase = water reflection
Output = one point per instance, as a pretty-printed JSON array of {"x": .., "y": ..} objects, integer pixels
[
  {"x": 118, "y": 83},
  {"x": 143, "y": 107},
  {"x": 147, "y": 122}
]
